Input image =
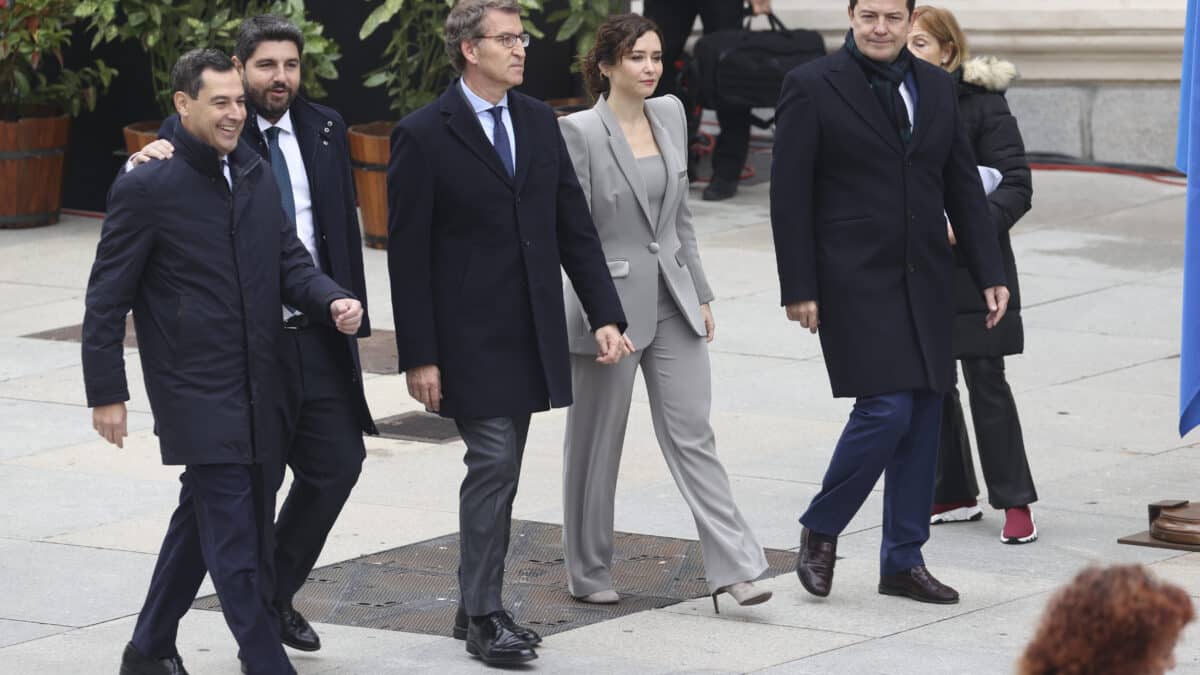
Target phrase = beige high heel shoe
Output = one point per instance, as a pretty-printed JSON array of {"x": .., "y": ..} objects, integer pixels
[
  {"x": 605, "y": 597},
  {"x": 744, "y": 593}
]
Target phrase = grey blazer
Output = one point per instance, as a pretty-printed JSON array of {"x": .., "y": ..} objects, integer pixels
[{"x": 636, "y": 248}]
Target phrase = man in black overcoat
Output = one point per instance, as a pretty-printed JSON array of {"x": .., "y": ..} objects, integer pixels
[
  {"x": 484, "y": 211},
  {"x": 869, "y": 158},
  {"x": 200, "y": 249},
  {"x": 324, "y": 410}
]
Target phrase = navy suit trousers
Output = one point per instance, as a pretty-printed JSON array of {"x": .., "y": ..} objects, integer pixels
[
  {"x": 222, "y": 526},
  {"x": 895, "y": 435}
]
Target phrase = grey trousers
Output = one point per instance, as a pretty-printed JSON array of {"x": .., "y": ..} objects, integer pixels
[
  {"x": 495, "y": 446},
  {"x": 678, "y": 381}
]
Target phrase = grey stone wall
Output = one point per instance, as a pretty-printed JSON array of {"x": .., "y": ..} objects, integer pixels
[{"x": 1129, "y": 123}]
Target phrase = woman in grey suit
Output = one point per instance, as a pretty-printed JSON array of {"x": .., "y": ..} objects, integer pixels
[{"x": 630, "y": 154}]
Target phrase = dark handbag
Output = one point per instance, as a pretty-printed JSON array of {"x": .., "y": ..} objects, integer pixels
[{"x": 743, "y": 68}]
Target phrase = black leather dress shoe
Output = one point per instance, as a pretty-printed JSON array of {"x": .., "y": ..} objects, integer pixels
[
  {"x": 526, "y": 634},
  {"x": 134, "y": 662},
  {"x": 493, "y": 643},
  {"x": 719, "y": 189},
  {"x": 917, "y": 583},
  {"x": 814, "y": 566},
  {"x": 295, "y": 631}
]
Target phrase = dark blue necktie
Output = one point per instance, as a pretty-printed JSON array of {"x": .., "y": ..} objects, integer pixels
[
  {"x": 500, "y": 136},
  {"x": 282, "y": 178}
]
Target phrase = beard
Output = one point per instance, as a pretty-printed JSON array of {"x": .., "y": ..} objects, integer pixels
[{"x": 263, "y": 106}]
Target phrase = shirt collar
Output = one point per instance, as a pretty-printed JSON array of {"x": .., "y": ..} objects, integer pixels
[
  {"x": 284, "y": 123},
  {"x": 478, "y": 104}
]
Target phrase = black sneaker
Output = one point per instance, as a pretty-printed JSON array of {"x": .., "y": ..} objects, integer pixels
[{"x": 720, "y": 189}]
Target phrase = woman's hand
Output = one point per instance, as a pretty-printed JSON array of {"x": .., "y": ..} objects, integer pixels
[{"x": 710, "y": 324}]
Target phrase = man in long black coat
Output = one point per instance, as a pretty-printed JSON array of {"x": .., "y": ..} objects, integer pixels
[
  {"x": 869, "y": 157},
  {"x": 200, "y": 249},
  {"x": 324, "y": 409},
  {"x": 484, "y": 208}
]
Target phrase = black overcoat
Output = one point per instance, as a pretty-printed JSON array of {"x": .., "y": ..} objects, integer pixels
[
  {"x": 997, "y": 143},
  {"x": 321, "y": 134},
  {"x": 204, "y": 271},
  {"x": 858, "y": 223},
  {"x": 474, "y": 257}
]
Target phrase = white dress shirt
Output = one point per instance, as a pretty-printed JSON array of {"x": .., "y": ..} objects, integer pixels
[
  {"x": 908, "y": 104},
  {"x": 483, "y": 113},
  {"x": 301, "y": 195},
  {"x": 225, "y": 171}
]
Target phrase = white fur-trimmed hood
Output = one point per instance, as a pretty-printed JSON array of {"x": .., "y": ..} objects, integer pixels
[{"x": 989, "y": 72}]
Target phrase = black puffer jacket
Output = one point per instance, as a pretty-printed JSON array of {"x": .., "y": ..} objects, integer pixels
[{"x": 997, "y": 143}]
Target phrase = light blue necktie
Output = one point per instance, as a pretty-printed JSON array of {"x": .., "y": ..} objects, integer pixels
[{"x": 500, "y": 136}]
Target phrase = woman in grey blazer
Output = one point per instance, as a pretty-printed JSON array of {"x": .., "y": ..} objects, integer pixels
[{"x": 630, "y": 154}]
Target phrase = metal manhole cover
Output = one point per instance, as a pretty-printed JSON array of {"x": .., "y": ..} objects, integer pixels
[
  {"x": 414, "y": 588},
  {"x": 418, "y": 426}
]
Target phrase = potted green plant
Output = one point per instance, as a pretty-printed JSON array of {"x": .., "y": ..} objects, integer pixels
[
  {"x": 166, "y": 30},
  {"x": 577, "y": 21},
  {"x": 38, "y": 96},
  {"x": 415, "y": 71}
]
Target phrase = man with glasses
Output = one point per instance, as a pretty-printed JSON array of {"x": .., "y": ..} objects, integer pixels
[{"x": 484, "y": 207}]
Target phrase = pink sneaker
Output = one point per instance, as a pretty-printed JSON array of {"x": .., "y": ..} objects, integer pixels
[
  {"x": 1018, "y": 526},
  {"x": 955, "y": 512}
]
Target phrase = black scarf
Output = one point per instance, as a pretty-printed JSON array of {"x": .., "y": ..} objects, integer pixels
[{"x": 885, "y": 80}]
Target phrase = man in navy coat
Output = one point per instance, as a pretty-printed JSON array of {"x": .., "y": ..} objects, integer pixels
[
  {"x": 324, "y": 410},
  {"x": 869, "y": 156},
  {"x": 484, "y": 207},
  {"x": 200, "y": 249}
]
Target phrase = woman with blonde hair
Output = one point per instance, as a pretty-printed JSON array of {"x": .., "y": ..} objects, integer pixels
[
  {"x": 992, "y": 130},
  {"x": 630, "y": 154}
]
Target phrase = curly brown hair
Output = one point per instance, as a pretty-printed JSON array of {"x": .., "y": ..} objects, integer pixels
[
  {"x": 614, "y": 39},
  {"x": 1119, "y": 619}
]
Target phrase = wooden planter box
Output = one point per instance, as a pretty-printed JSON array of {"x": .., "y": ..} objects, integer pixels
[
  {"x": 370, "y": 149},
  {"x": 140, "y": 134},
  {"x": 31, "y": 170}
]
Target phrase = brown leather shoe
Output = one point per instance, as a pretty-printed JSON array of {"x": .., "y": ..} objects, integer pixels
[
  {"x": 814, "y": 566},
  {"x": 917, "y": 583}
]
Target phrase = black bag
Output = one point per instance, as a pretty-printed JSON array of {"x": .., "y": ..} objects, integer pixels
[{"x": 741, "y": 68}]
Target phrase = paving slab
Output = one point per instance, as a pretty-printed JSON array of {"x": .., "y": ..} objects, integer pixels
[
  {"x": 16, "y": 632},
  {"x": 31, "y": 427},
  {"x": 69, "y": 585}
]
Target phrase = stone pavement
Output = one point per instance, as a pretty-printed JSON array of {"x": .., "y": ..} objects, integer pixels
[{"x": 1100, "y": 258}]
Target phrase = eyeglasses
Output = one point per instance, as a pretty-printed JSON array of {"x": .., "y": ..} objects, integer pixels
[{"x": 508, "y": 40}]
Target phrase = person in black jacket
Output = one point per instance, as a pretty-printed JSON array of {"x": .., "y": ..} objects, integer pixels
[
  {"x": 324, "y": 410},
  {"x": 484, "y": 214},
  {"x": 868, "y": 157},
  {"x": 200, "y": 249},
  {"x": 996, "y": 140}
]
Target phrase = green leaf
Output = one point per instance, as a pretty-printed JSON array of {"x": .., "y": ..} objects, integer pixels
[
  {"x": 377, "y": 78},
  {"x": 137, "y": 18},
  {"x": 569, "y": 27},
  {"x": 85, "y": 9},
  {"x": 380, "y": 16}
]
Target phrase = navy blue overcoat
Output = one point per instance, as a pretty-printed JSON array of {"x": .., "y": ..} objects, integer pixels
[
  {"x": 859, "y": 221},
  {"x": 475, "y": 257},
  {"x": 204, "y": 269}
]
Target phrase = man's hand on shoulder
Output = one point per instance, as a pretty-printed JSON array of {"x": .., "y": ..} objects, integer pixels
[
  {"x": 425, "y": 385},
  {"x": 806, "y": 313},
  {"x": 760, "y": 7},
  {"x": 110, "y": 422},
  {"x": 158, "y": 149}
]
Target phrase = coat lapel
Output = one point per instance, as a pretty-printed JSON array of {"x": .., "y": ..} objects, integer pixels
[
  {"x": 927, "y": 104},
  {"x": 524, "y": 141},
  {"x": 463, "y": 123},
  {"x": 308, "y": 138},
  {"x": 624, "y": 157},
  {"x": 671, "y": 156},
  {"x": 847, "y": 79}
]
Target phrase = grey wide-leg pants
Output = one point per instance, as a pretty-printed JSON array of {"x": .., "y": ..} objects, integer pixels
[{"x": 678, "y": 381}]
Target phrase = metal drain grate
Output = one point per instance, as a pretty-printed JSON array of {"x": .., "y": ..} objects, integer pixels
[
  {"x": 418, "y": 426},
  {"x": 414, "y": 588},
  {"x": 75, "y": 334}
]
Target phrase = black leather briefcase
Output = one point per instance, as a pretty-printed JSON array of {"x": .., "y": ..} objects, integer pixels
[{"x": 745, "y": 68}]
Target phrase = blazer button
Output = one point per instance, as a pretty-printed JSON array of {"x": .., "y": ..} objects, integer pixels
[
  {"x": 911, "y": 268},
  {"x": 653, "y": 247}
]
